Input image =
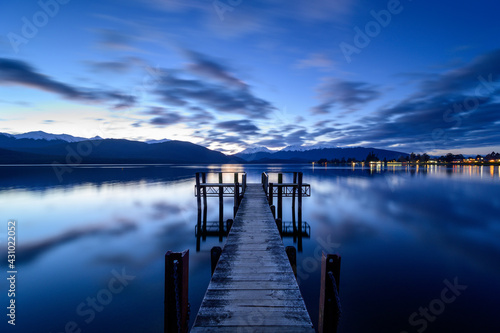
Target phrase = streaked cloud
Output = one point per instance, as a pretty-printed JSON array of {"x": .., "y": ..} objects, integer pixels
[
  {"x": 345, "y": 94},
  {"x": 16, "y": 72}
]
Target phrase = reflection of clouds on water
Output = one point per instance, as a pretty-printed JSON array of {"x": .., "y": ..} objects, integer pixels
[
  {"x": 164, "y": 209},
  {"x": 456, "y": 217},
  {"x": 30, "y": 251}
]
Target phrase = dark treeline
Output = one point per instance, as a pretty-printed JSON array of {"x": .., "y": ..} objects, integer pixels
[{"x": 417, "y": 158}]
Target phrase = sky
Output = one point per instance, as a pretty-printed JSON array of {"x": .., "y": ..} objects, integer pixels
[{"x": 409, "y": 75}]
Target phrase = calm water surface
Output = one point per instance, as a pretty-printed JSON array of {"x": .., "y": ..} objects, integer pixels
[{"x": 404, "y": 235}]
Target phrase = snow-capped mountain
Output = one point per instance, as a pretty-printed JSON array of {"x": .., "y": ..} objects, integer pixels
[
  {"x": 255, "y": 150},
  {"x": 307, "y": 148},
  {"x": 157, "y": 141},
  {"x": 40, "y": 135}
]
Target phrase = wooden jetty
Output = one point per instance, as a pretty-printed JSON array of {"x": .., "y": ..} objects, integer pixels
[{"x": 253, "y": 287}]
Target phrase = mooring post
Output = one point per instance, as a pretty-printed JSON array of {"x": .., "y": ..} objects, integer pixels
[
  {"x": 299, "y": 200},
  {"x": 204, "y": 181},
  {"x": 279, "y": 225},
  {"x": 273, "y": 210},
  {"x": 215, "y": 253},
  {"x": 293, "y": 205},
  {"x": 280, "y": 196},
  {"x": 198, "y": 200},
  {"x": 329, "y": 302},
  {"x": 271, "y": 189},
  {"x": 292, "y": 257},
  {"x": 176, "y": 291},
  {"x": 229, "y": 225}
]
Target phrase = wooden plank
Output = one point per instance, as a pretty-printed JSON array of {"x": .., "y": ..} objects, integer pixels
[{"x": 253, "y": 288}]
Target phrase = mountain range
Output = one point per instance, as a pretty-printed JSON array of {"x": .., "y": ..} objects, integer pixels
[
  {"x": 45, "y": 148},
  {"x": 299, "y": 154}
]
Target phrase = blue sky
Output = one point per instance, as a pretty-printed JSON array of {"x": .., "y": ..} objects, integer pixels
[{"x": 406, "y": 75}]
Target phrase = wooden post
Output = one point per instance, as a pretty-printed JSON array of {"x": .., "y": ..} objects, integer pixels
[
  {"x": 198, "y": 200},
  {"x": 299, "y": 201},
  {"x": 221, "y": 205},
  {"x": 292, "y": 257},
  {"x": 236, "y": 194},
  {"x": 229, "y": 225},
  {"x": 265, "y": 183},
  {"x": 244, "y": 181},
  {"x": 176, "y": 270},
  {"x": 279, "y": 224},
  {"x": 280, "y": 196},
  {"x": 293, "y": 206},
  {"x": 205, "y": 207},
  {"x": 273, "y": 210},
  {"x": 329, "y": 306},
  {"x": 271, "y": 189},
  {"x": 215, "y": 253}
]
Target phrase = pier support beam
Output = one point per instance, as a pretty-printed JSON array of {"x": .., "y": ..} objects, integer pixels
[
  {"x": 271, "y": 188},
  {"x": 280, "y": 196},
  {"x": 221, "y": 205},
  {"x": 198, "y": 200},
  {"x": 299, "y": 200},
  {"x": 294, "y": 222},
  {"x": 204, "y": 192},
  {"x": 236, "y": 194}
]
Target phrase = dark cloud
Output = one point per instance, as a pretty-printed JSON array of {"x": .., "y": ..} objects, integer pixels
[
  {"x": 322, "y": 109},
  {"x": 203, "y": 66},
  {"x": 296, "y": 137},
  {"x": 108, "y": 66},
  {"x": 347, "y": 94},
  {"x": 220, "y": 138},
  {"x": 119, "y": 66},
  {"x": 178, "y": 91},
  {"x": 239, "y": 126},
  {"x": 166, "y": 117},
  {"x": 21, "y": 73},
  {"x": 477, "y": 75}
]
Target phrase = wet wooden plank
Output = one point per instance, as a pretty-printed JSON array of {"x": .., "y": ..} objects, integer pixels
[{"x": 253, "y": 288}]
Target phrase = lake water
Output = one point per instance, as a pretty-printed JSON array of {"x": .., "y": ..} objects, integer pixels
[{"x": 405, "y": 236}]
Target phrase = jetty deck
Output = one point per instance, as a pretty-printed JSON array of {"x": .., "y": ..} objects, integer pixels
[{"x": 253, "y": 288}]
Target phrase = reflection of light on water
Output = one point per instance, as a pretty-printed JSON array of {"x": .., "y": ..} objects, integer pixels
[{"x": 492, "y": 171}]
